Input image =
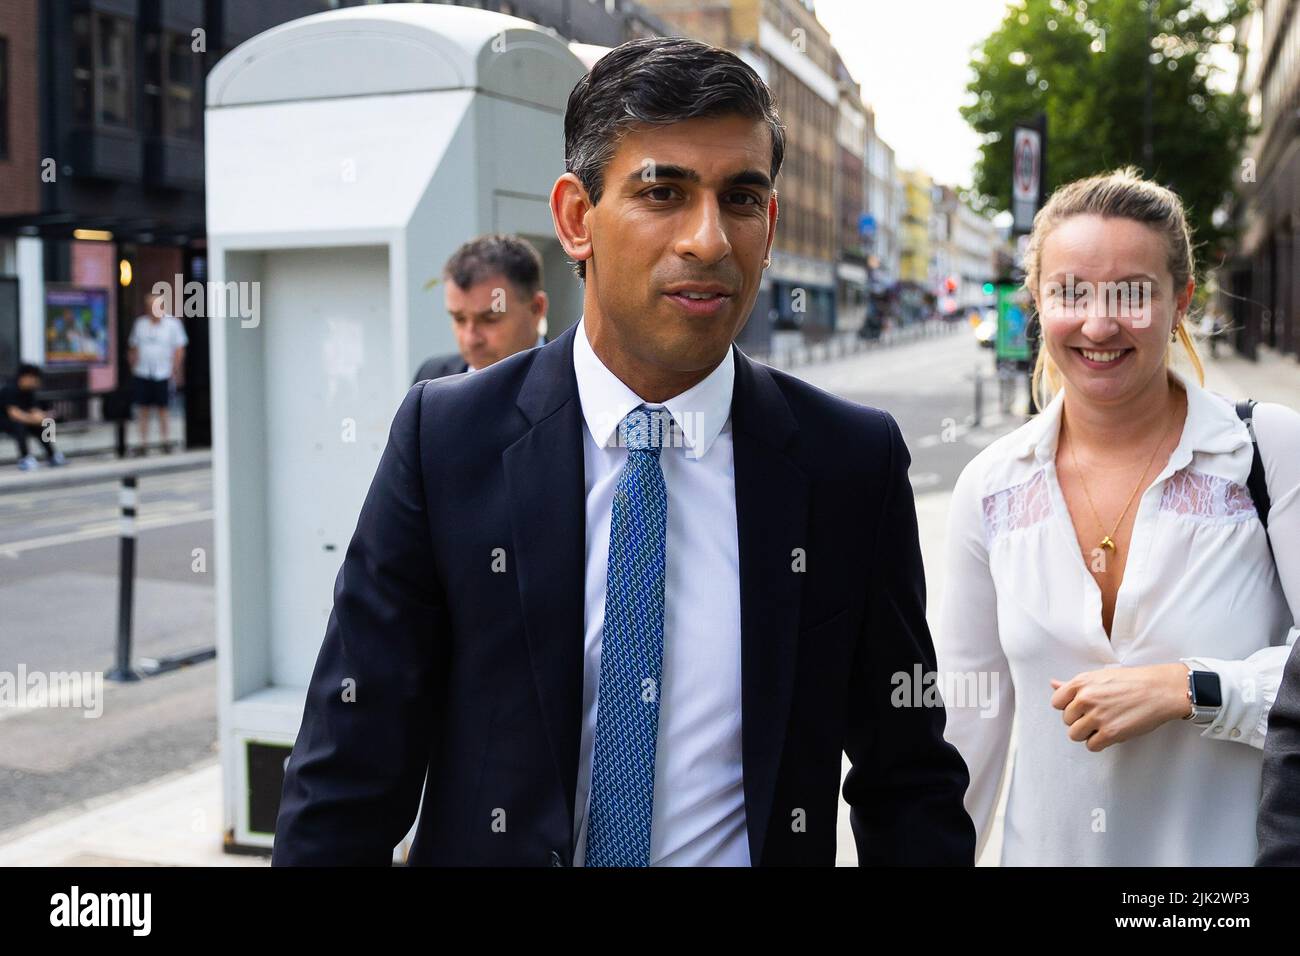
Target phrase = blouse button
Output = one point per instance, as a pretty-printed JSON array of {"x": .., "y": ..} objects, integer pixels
[
  {"x": 1235, "y": 732},
  {"x": 1218, "y": 729}
]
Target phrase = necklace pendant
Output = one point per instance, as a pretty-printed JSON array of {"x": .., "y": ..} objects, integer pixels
[{"x": 1107, "y": 543}]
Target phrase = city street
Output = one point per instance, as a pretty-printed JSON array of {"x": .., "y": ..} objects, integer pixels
[
  {"x": 58, "y": 584},
  {"x": 59, "y": 590},
  {"x": 928, "y": 386}
]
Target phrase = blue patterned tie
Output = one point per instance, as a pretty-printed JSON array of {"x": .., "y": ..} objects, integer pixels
[{"x": 631, "y": 652}]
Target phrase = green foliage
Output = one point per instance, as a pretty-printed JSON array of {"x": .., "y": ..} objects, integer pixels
[{"x": 1084, "y": 63}]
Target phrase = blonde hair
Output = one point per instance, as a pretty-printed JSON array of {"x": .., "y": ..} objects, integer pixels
[{"x": 1122, "y": 194}]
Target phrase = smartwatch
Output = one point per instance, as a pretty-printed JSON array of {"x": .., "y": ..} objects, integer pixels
[{"x": 1206, "y": 696}]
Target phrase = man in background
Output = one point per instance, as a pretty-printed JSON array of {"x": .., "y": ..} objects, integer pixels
[
  {"x": 20, "y": 418},
  {"x": 495, "y": 299},
  {"x": 157, "y": 356}
]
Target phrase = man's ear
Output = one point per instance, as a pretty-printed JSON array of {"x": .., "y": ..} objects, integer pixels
[
  {"x": 773, "y": 212},
  {"x": 569, "y": 207}
]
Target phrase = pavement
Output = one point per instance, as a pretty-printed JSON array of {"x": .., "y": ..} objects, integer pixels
[
  {"x": 172, "y": 821},
  {"x": 176, "y": 820},
  {"x": 83, "y": 441}
]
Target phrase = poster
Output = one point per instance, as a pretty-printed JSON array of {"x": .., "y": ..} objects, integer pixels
[
  {"x": 1014, "y": 306},
  {"x": 76, "y": 326}
]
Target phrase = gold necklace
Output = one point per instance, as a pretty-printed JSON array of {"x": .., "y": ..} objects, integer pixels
[{"x": 1107, "y": 541}]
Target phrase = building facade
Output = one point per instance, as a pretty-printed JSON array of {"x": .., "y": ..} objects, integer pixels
[
  {"x": 1260, "y": 287},
  {"x": 963, "y": 254},
  {"x": 915, "y": 227},
  {"x": 884, "y": 206},
  {"x": 850, "y": 195}
]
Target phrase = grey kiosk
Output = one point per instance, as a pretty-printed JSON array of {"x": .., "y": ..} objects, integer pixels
[{"x": 348, "y": 154}]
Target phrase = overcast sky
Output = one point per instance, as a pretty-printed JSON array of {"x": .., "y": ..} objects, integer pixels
[{"x": 912, "y": 58}]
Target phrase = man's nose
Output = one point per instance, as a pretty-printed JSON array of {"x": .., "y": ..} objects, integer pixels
[{"x": 705, "y": 238}]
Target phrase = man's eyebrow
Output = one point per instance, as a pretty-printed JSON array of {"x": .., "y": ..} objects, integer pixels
[
  {"x": 746, "y": 177},
  {"x": 663, "y": 171},
  {"x": 750, "y": 177}
]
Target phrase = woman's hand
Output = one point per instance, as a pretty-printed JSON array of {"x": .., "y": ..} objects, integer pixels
[{"x": 1116, "y": 704}]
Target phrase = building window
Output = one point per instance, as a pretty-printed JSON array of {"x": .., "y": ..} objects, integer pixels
[
  {"x": 102, "y": 70},
  {"x": 182, "y": 73},
  {"x": 152, "y": 87},
  {"x": 170, "y": 71},
  {"x": 4, "y": 98}
]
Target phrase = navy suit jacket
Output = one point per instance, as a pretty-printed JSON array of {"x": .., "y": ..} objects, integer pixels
[
  {"x": 440, "y": 366},
  {"x": 458, "y": 615}
]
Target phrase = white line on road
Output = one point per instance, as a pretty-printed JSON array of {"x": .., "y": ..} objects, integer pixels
[{"x": 108, "y": 530}]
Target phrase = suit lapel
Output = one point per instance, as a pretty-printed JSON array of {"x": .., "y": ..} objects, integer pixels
[
  {"x": 772, "y": 521},
  {"x": 547, "y": 503},
  {"x": 548, "y": 514}
]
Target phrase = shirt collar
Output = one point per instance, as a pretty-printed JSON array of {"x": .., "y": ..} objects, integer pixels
[
  {"x": 1212, "y": 426},
  {"x": 700, "y": 412}
]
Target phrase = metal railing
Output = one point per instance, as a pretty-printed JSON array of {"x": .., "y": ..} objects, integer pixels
[{"x": 845, "y": 344}]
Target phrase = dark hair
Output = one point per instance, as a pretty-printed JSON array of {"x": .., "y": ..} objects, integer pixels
[
  {"x": 496, "y": 254},
  {"x": 658, "y": 81},
  {"x": 26, "y": 368}
]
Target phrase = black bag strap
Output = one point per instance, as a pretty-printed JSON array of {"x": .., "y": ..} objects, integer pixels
[{"x": 1255, "y": 483}]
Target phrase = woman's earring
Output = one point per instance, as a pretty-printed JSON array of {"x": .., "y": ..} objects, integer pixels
[{"x": 1173, "y": 334}]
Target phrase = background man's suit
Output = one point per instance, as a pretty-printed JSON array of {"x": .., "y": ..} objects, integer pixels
[
  {"x": 475, "y": 677},
  {"x": 440, "y": 366}
]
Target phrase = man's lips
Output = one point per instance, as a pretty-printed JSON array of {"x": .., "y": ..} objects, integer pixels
[{"x": 699, "y": 306}]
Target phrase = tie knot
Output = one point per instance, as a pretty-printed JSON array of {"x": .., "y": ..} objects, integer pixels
[{"x": 645, "y": 429}]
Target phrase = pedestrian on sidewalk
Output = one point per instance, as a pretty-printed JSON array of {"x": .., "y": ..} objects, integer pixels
[
  {"x": 157, "y": 357},
  {"x": 1109, "y": 576},
  {"x": 22, "y": 419}
]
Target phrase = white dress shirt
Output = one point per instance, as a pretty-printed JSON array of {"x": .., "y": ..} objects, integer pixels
[
  {"x": 156, "y": 344},
  {"x": 699, "y": 800},
  {"x": 1199, "y": 586}
]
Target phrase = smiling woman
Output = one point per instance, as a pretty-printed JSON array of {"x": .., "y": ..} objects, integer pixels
[
  {"x": 1141, "y": 688},
  {"x": 1118, "y": 201}
]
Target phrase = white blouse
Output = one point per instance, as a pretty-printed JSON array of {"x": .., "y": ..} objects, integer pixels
[{"x": 1199, "y": 586}]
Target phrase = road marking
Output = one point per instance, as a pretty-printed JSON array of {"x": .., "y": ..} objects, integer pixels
[
  {"x": 925, "y": 479},
  {"x": 179, "y": 483},
  {"x": 106, "y": 530},
  {"x": 89, "y": 517}
]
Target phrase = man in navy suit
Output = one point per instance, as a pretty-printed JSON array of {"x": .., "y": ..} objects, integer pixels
[
  {"x": 628, "y": 598},
  {"x": 493, "y": 293}
]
